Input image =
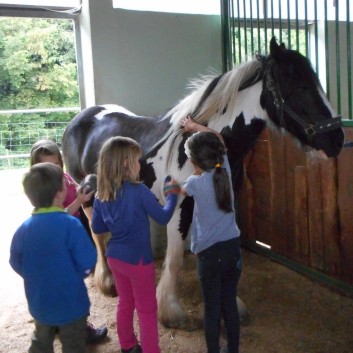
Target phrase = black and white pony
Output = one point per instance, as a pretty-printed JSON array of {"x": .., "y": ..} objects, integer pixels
[{"x": 280, "y": 90}]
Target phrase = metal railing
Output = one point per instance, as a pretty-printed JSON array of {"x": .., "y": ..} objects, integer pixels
[
  {"x": 15, "y": 145},
  {"x": 319, "y": 29},
  {"x": 17, "y": 138}
]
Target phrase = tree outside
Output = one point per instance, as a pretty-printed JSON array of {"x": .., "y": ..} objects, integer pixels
[{"x": 37, "y": 70}]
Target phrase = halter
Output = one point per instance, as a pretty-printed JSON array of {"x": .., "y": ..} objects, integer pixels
[{"x": 310, "y": 129}]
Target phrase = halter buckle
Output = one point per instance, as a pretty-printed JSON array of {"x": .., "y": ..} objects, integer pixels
[{"x": 310, "y": 130}]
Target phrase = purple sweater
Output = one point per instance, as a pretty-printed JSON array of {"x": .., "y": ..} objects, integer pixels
[{"x": 127, "y": 219}]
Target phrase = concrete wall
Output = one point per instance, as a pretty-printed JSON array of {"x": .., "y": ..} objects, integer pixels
[{"x": 144, "y": 60}]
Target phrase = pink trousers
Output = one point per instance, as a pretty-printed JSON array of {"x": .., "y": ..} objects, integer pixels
[{"x": 136, "y": 286}]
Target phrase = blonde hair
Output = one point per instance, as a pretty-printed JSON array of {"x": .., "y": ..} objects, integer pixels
[
  {"x": 115, "y": 165},
  {"x": 44, "y": 148}
]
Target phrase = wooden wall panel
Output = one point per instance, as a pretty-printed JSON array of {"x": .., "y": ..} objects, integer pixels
[
  {"x": 258, "y": 173},
  {"x": 278, "y": 238},
  {"x": 296, "y": 202},
  {"x": 315, "y": 215},
  {"x": 300, "y": 206},
  {"x": 345, "y": 207},
  {"x": 330, "y": 221},
  {"x": 300, "y": 217},
  {"x": 245, "y": 205}
]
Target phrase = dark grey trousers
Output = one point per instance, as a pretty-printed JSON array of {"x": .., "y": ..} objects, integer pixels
[{"x": 72, "y": 337}]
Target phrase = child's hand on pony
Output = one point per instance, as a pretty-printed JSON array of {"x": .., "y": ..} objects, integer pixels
[{"x": 188, "y": 124}]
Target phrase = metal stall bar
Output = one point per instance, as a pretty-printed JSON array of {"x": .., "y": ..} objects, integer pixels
[
  {"x": 245, "y": 31},
  {"x": 289, "y": 24},
  {"x": 272, "y": 20},
  {"x": 233, "y": 31},
  {"x": 239, "y": 34},
  {"x": 227, "y": 57},
  {"x": 338, "y": 53},
  {"x": 296, "y": 25},
  {"x": 349, "y": 61},
  {"x": 280, "y": 20},
  {"x": 327, "y": 56},
  {"x": 306, "y": 33},
  {"x": 252, "y": 29},
  {"x": 265, "y": 21},
  {"x": 316, "y": 38},
  {"x": 258, "y": 26}
]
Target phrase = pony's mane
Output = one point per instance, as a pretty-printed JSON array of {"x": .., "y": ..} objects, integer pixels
[
  {"x": 212, "y": 95},
  {"x": 217, "y": 101}
]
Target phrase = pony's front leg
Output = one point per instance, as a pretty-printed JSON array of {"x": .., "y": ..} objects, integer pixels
[
  {"x": 170, "y": 312},
  {"x": 103, "y": 277}
]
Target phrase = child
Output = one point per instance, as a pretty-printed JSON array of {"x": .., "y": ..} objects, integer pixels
[
  {"x": 122, "y": 207},
  {"x": 48, "y": 151},
  {"x": 215, "y": 235},
  {"x": 53, "y": 262}
]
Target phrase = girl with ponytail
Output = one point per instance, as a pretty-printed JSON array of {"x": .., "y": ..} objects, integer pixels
[{"x": 214, "y": 233}]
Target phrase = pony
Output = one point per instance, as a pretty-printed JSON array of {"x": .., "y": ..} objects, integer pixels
[{"x": 280, "y": 90}]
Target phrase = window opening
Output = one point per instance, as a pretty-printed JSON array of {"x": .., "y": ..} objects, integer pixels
[{"x": 39, "y": 90}]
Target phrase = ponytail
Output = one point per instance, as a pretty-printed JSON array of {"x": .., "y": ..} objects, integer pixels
[{"x": 222, "y": 189}]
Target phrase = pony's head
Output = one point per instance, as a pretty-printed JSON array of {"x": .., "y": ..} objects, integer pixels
[{"x": 294, "y": 100}]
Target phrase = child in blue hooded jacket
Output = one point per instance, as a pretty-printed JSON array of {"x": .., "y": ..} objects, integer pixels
[{"x": 53, "y": 261}]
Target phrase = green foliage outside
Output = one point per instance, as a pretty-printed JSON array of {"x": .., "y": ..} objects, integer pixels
[
  {"x": 247, "y": 42},
  {"x": 37, "y": 70}
]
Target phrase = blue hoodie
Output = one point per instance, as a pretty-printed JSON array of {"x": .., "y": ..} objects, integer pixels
[
  {"x": 127, "y": 219},
  {"x": 53, "y": 253}
]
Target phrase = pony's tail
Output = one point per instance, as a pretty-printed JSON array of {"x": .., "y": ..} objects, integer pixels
[{"x": 222, "y": 189}]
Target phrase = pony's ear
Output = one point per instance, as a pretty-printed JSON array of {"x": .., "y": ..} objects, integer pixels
[
  {"x": 275, "y": 49},
  {"x": 273, "y": 45}
]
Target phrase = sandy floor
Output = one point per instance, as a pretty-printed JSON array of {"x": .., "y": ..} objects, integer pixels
[{"x": 289, "y": 313}]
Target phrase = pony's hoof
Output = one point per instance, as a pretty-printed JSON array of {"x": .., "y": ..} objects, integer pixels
[
  {"x": 192, "y": 324},
  {"x": 244, "y": 316},
  {"x": 245, "y": 319},
  {"x": 109, "y": 291},
  {"x": 105, "y": 284},
  {"x": 173, "y": 323},
  {"x": 188, "y": 324}
]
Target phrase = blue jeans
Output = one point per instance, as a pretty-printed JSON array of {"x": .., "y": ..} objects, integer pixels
[{"x": 219, "y": 269}]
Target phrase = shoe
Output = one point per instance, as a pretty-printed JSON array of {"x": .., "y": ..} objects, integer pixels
[
  {"x": 135, "y": 349},
  {"x": 95, "y": 335}
]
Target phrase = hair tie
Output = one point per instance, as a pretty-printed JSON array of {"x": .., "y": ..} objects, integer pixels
[{"x": 218, "y": 165}]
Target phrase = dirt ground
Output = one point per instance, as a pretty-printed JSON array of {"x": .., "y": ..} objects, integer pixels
[{"x": 289, "y": 314}]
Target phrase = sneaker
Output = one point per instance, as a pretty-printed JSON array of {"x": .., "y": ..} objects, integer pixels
[
  {"x": 95, "y": 335},
  {"x": 135, "y": 349}
]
